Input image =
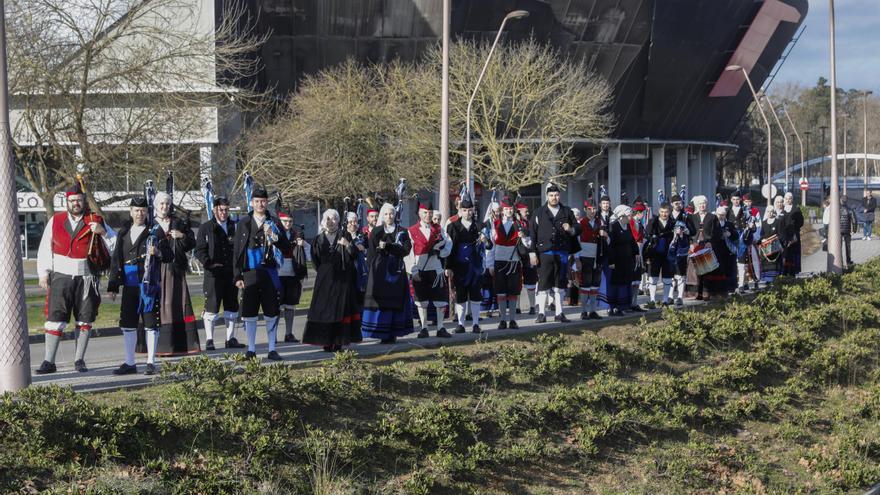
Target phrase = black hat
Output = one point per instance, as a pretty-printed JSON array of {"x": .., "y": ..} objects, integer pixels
[
  {"x": 466, "y": 202},
  {"x": 551, "y": 187},
  {"x": 260, "y": 192},
  {"x": 426, "y": 203},
  {"x": 138, "y": 202},
  {"x": 221, "y": 201},
  {"x": 736, "y": 194},
  {"x": 674, "y": 198}
]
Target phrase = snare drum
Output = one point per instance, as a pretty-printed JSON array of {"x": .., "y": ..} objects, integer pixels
[
  {"x": 704, "y": 260},
  {"x": 770, "y": 247}
]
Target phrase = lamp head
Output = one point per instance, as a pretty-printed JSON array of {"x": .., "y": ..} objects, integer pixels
[
  {"x": 517, "y": 14},
  {"x": 733, "y": 68}
]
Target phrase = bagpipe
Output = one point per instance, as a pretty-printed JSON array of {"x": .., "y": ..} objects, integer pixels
[
  {"x": 150, "y": 284},
  {"x": 271, "y": 256},
  {"x": 98, "y": 257}
]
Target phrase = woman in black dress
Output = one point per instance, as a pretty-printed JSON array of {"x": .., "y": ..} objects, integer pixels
[
  {"x": 774, "y": 224},
  {"x": 388, "y": 312},
  {"x": 623, "y": 257},
  {"x": 334, "y": 316}
]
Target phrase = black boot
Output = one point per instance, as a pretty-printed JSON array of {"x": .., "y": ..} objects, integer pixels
[
  {"x": 513, "y": 325},
  {"x": 209, "y": 345},
  {"x": 459, "y": 329},
  {"x": 423, "y": 333},
  {"x": 234, "y": 344},
  {"x": 45, "y": 368},
  {"x": 560, "y": 318},
  {"x": 126, "y": 369},
  {"x": 80, "y": 366}
]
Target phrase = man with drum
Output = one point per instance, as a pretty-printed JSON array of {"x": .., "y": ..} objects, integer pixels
[{"x": 706, "y": 234}]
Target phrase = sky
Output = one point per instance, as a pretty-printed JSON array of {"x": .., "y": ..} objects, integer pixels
[{"x": 857, "y": 27}]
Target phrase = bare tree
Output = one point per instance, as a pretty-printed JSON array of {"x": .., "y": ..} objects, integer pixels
[
  {"x": 354, "y": 129},
  {"x": 528, "y": 105},
  {"x": 115, "y": 87}
]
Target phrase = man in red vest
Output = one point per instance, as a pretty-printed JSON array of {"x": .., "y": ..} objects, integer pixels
[
  {"x": 67, "y": 274},
  {"x": 430, "y": 246},
  {"x": 510, "y": 246}
]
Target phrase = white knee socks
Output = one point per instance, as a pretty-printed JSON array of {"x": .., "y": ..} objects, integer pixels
[
  {"x": 250, "y": 328},
  {"x": 231, "y": 319},
  {"x": 152, "y": 343},
  {"x": 475, "y": 312},
  {"x": 129, "y": 341},
  {"x": 652, "y": 289},
  {"x": 208, "y": 319},
  {"x": 557, "y": 298}
]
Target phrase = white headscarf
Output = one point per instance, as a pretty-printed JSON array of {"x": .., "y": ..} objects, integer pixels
[
  {"x": 327, "y": 214},
  {"x": 699, "y": 199},
  {"x": 721, "y": 211},
  {"x": 620, "y": 211},
  {"x": 385, "y": 207}
]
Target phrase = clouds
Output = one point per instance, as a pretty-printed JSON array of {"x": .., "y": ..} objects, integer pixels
[{"x": 858, "y": 46}]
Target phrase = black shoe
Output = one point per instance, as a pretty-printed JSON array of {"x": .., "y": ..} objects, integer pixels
[
  {"x": 532, "y": 310},
  {"x": 442, "y": 333},
  {"x": 502, "y": 325},
  {"x": 234, "y": 344},
  {"x": 151, "y": 369},
  {"x": 45, "y": 368},
  {"x": 699, "y": 297},
  {"x": 392, "y": 339},
  {"x": 476, "y": 329},
  {"x": 513, "y": 325},
  {"x": 459, "y": 329},
  {"x": 560, "y": 318},
  {"x": 253, "y": 355},
  {"x": 126, "y": 369},
  {"x": 290, "y": 338},
  {"x": 637, "y": 309},
  {"x": 423, "y": 334},
  {"x": 541, "y": 319},
  {"x": 80, "y": 366},
  {"x": 518, "y": 311},
  {"x": 209, "y": 345},
  {"x": 274, "y": 356},
  {"x": 595, "y": 316},
  {"x": 585, "y": 316}
]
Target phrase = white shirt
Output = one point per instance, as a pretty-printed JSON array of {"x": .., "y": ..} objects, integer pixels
[
  {"x": 45, "y": 258},
  {"x": 135, "y": 232}
]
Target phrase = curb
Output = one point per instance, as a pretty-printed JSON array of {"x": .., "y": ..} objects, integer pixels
[{"x": 40, "y": 338}]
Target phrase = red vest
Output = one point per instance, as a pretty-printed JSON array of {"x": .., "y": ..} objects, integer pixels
[
  {"x": 504, "y": 239},
  {"x": 78, "y": 247},
  {"x": 419, "y": 243},
  {"x": 638, "y": 231},
  {"x": 588, "y": 232}
]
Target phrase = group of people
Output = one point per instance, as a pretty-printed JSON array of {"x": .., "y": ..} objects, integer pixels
[{"x": 375, "y": 278}]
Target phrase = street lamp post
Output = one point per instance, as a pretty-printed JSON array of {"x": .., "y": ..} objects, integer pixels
[
  {"x": 844, "y": 115},
  {"x": 823, "y": 131},
  {"x": 444, "y": 117},
  {"x": 835, "y": 263},
  {"x": 516, "y": 14},
  {"x": 784, "y": 136},
  {"x": 801, "y": 144},
  {"x": 865, "y": 115},
  {"x": 15, "y": 360},
  {"x": 734, "y": 68}
]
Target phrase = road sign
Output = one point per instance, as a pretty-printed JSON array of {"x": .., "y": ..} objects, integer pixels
[
  {"x": 768, "y": 191},
  {"x": 805, "y": 184}
]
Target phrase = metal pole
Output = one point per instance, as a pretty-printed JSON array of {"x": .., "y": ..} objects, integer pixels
[
  {"x": 15, "y": 356},
  {"x": 444, "y": 117},
  {"x": 801, "y": 145},
  {"x": 784, "y": 136},
  {"x": 865, "y": 115},
  {"x": 470, "y": 179},
  {"x": 844, "y": 152},
  {"x": 835, "y": 263},
  {"x": 769, "y": 139}
]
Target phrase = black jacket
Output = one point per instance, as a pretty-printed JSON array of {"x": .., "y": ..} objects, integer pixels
[
  {"x": 213, "y": 246},
  {"x": 127, "y": 253},
  {"x": 243, "y": 240},
  {"x": 546, "y": 230}
]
